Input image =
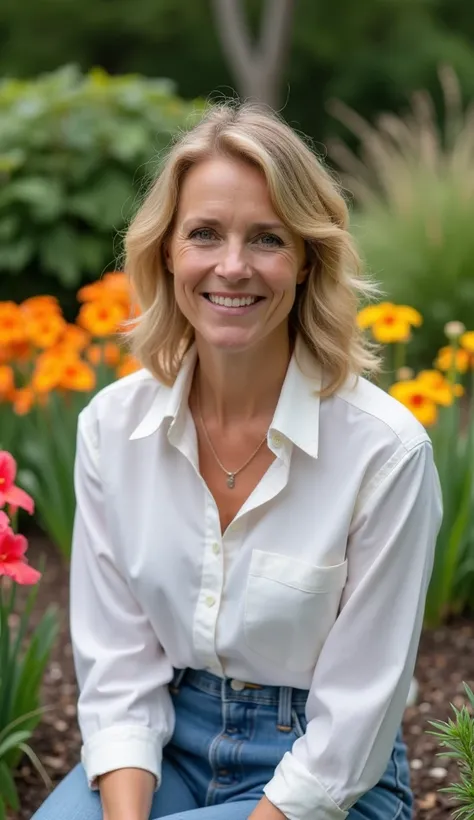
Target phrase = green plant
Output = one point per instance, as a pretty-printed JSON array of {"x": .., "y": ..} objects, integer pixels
[
  {"x": 413, "y": 183},
  {"x": 74, "y": 153},
  {"x": 458, "y": 737},
  {"x": 24, "y": 651}
]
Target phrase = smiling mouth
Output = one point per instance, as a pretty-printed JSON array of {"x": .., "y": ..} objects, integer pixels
[{"x": 232, "y": 301}]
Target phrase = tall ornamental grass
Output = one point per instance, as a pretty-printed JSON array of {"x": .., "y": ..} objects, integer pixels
[{"x": 412, "y": 181}]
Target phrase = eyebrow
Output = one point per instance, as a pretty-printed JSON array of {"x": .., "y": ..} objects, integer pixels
[{"x": 216, "y": 223}]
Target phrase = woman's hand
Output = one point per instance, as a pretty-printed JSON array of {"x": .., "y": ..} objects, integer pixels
[{"x": 266, "y": 811}]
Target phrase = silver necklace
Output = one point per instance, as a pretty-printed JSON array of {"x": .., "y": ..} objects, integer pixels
[{"x": 230, "y": 475}]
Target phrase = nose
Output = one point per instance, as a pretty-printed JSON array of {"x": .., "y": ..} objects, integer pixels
[{"x": 233, "y": 264}]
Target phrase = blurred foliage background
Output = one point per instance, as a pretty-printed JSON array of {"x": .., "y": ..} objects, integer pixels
[{"x": 76, "y": 147}]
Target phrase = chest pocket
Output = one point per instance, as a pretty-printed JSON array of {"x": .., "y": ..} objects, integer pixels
[{"x": 290, "y": 607}]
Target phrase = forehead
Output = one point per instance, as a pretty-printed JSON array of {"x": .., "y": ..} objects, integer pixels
[{"x": 224, "y": 182}]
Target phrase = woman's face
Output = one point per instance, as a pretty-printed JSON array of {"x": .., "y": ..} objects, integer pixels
[{"x": 235, "y": 264}]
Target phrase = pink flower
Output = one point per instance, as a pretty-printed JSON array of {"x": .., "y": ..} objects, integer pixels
[
  {"x": 12, "y": 555},
  {"x": 9, "y": 492}
]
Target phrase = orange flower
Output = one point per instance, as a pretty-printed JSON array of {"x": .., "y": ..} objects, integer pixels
[
  {"x": 45, "y": 331},
  {"x": 47, "y": 374},
  {"x": 128, "y": 365},
  {"x": 74, "y": 337},
  {"x": 12, "y": 326},
  {"x": 77, "y": 375},
  {"x": 7, "y": 382},
  {"x": 108, "y": 353},
  {"x": 23, "y": 400},
  {"x": 39, "y": 307},
  {"x": 20, "y": 351},
  {"x": 102, "y": 318},
  {"x": 113, "y": 285},
  {"x": 444, "y": 360}
]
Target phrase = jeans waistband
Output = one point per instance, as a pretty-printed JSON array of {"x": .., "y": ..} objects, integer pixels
[{"x": 227, "y": 690}]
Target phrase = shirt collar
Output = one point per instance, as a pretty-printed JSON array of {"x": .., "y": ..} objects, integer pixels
[{"x": 296, "y": 416}]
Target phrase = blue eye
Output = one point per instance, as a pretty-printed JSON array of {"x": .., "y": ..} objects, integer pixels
[
  {"x": 270, "y": 240},
  {"x": 203, "y": 234}
]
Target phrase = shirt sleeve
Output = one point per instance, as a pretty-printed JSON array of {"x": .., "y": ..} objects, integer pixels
[
  {"x": 363, "y": 674},
  {"x": 124, "y": 709}
]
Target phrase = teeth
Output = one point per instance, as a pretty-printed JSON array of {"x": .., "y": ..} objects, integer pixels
[{"x": 226, "y": 301}]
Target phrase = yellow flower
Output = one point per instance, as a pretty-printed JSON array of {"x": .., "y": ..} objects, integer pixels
[
  {"x": 12, "y": 326},
  {"x": 444, "y": 360},
  {"x": 102, "y": 318},
  {"x": 388, "y": 322},
  {"x": 418, "y": 399},
  {"x": 441, "y": 390},
  {"x": 467, "y": 341}
]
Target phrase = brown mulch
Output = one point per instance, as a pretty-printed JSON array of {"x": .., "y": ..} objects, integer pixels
[{"x": 445, "y": 660}]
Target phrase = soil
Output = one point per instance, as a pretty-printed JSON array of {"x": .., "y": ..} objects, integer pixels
[{"x": 445, "y": 660}]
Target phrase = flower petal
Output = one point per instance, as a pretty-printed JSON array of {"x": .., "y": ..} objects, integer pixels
[
  {"x": 18, "y": 498},
  {"x": 7, "y": 470},
  {"x": 398, "y": 331},
  {"x": 409, "y": 314},
  {"x": 20, "y": 571}
]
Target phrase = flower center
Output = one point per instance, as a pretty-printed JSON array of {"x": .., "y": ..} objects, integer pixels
[
  {"x": 417, "y": 400},
  {"x": 389, "y": 320},
  {"x": 2, "y": 481}
]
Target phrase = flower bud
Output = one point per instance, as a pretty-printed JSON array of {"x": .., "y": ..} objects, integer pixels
[
  {"x": 404, "y": 374},
  {"x": 454, "y": 330}
]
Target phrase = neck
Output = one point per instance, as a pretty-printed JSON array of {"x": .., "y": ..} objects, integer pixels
[{"x": 244, "y": 386}]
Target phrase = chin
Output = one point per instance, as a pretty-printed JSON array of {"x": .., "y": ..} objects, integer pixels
[{"x": 229, "y": 339}]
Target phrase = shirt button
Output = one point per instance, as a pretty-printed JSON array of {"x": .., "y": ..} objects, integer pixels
[
  {"x": 216, "y": 548},
  {"x": 210, "y": 600},
  {"x": 276, "y": 440},
  {"x": 237, "y": 685}
]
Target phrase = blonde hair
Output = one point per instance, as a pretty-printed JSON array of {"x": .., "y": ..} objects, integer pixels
[{"x": 306, "y": 198}]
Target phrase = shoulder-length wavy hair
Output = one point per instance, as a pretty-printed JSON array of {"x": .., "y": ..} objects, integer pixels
[{"x": 306, "y": 198}]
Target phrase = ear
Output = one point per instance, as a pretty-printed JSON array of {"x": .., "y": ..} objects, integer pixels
[
  {"x": 303, "y": 273},
  {"x": 167, "y": 256}
]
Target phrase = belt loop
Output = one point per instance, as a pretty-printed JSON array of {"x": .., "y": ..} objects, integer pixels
[
  {"x": 284, "y": 709},
  {"x": 177, "y": 680}
]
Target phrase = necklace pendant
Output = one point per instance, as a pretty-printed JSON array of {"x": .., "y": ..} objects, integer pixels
[{"x": 231, "y": 480}]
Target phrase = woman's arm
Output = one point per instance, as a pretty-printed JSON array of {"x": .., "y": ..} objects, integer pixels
[
  {"x": 124, "y": 709},
  {"x": 127, "y": 794},
  {"x": 362, "y": 677}
]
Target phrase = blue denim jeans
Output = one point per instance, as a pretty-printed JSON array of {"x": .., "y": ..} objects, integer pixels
[{"x": 227, "y": 742}]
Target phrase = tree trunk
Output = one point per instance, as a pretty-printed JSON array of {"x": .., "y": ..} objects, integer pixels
[{"x": 258, "y": 67}]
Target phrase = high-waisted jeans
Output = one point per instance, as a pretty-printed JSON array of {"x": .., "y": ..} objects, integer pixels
[{"x": 229, "y": 738}]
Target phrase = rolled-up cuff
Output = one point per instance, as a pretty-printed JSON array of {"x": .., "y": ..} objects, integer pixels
[
  {"x": 122, "y": 747},
  {"x": 299, "y": 795}
]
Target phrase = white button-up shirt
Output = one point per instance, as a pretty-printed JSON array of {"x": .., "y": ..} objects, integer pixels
[{"x": 318, "y": 583}]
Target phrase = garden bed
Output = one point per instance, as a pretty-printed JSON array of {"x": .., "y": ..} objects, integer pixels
[{"x": 446, "y": 659}]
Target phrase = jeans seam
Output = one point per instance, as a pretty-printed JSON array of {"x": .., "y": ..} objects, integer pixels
[{"x": 398, "y": 785}]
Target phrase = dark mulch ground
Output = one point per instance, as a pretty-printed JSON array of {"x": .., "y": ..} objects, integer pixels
[{"x": 446, "y": 659}]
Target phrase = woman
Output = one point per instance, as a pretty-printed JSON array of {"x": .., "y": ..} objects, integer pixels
[{"x": 255, "y": 521}]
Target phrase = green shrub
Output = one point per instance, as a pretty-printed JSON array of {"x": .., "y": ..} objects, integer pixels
[
  {"x": 74, "y": 152},
  {"x": 413, "y": 188}
]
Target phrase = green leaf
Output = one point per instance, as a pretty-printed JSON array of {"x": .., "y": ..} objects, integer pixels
[
  {"x": 106, "y": 202},
  {"x": 12, "y": 741},
  {"x": 3, "y": 810},
  {"x": 15, "y": 257},
  {"x": 8, "y": 788},
  {"x": 43, "y": 197},
  {"x": 60, "y": 254}
]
